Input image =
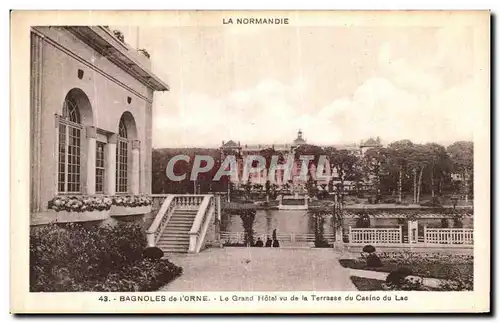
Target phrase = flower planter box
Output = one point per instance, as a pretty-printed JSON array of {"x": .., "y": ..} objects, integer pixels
[
  {"x": 66, "y": 216},
  {"x": 127, "y": 210}
]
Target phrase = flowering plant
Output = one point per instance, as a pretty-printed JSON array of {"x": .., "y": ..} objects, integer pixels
[
  {"x": 132, "y": 200},
  {"x": 80, "y": 203}
]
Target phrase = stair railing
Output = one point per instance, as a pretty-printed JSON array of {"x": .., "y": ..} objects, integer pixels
[
  {"x": 161, "y": 220},
  {"x": 201, "y": 223}
]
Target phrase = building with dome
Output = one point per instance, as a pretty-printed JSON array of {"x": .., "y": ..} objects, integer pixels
[{"x": 242, "y": 151}]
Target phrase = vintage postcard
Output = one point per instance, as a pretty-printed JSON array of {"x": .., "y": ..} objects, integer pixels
[{"x": 250, "y": 162}]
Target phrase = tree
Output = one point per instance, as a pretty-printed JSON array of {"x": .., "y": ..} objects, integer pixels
[
  {"x": 345, "y": 163},
  {"x": 418, "y": 160},
  {"x": 375, "y": 165},
  {"x": 311, "y": 188},
  {"x": 309, "y": 150},
  {"x": 462, "y": 159},
  {"x": 398, "y": 154},
  {"x": 247, "y": 219},
  {"x": 439, "y": 163},
  {"x": 268, "y": 154},
  {"x": 268, "y": 189}
]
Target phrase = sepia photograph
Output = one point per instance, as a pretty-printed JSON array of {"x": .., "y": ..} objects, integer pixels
[{"x": 250, "y": 154}]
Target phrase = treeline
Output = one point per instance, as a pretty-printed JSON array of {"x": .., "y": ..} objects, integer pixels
[
  {"x": 399, "y": 169},
  {"x": 403, "y": 167},
  {"x": 161, "y": 184}
]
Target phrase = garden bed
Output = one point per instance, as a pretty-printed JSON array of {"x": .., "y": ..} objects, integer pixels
[
  {"x": 422, "y": 264},
  {"x": 367, "y": 284},
  {"x": 77, "y": 258}
]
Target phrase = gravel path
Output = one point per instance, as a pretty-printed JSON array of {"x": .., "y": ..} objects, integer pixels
[{"x": 261, "y": 269}]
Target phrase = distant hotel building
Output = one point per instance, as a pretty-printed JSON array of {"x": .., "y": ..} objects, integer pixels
[{"x": 242, "y": 151}]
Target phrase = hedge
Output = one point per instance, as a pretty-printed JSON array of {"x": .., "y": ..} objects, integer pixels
[{"x": 74, "y": 257}]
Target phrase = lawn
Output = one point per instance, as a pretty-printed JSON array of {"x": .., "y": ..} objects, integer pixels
[{"x": 421, "y": 264}]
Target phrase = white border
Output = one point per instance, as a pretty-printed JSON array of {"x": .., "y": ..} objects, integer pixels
[{"x": 148, "y": 4}]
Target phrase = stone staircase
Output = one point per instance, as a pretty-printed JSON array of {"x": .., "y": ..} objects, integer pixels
[{"x": 175, "y": 237}]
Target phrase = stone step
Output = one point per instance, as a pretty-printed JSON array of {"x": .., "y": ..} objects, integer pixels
[
  {"x": 183, "y": 220},
  {"x": 167, "y": 251},
  {"x": 175, "y": 233},
  {"x": 181, "y": 211},
  {"x": 183, "y": 217},
  {"x": 179, "y": 225},
  {"x": 173, "y": 238},
  {"x": 175, "y": 244},
  {"x": 180, "y": 229},
  {"x": 175, "y": 229},
  {"x": 180, "y": 220},
  {"x": 167, "y": 248}
]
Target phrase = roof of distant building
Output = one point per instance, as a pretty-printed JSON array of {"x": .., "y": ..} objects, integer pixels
[
  {"x": 371, "y": 143},
  {"x": 299, "y": 140},
  {"x": 230, "y": 144}
]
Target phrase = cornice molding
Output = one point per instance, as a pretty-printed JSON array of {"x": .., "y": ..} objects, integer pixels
[{"x": 89, "y": 64}]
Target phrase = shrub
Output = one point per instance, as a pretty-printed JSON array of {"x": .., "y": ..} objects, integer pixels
[
  {"x": 389, "y": 200},
  {"x": 73, "y": 257},
  {"x": 397, "y": 277},
  {"x": 143, "y": 276},
  {"x": 457, "y": 223},
  {"x": 153, "y": 253},
  {"x": 445, "y": 223},
  {"x": 434, "y": 202},
  {"x": 457, "y": 284},
  {"x": 363, "y": 221},
  {"x": 369, "y": 249},
  {"x": 321, "y": 243},
  {"x": 407, "y": 284},
  {"x": 373, "y": 261}
]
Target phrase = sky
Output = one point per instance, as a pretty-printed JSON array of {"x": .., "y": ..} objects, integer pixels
[{"x": 339, "y": 85}]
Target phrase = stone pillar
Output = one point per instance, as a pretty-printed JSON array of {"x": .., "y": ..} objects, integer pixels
[
  {"x": 36, "y": 124},
  {"x": 217, "y": 221},
  {"x": 110, "y": 188},
  {"x": 412, "y": 231},
  {"x": 135, "y": 178},
  {"x": 91, "y": 133}
]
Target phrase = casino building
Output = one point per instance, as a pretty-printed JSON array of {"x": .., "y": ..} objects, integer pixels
[{"x": 91, "y": 120}]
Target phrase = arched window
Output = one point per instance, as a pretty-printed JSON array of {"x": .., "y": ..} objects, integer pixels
[
  {"x": 69, "y": 163},
  {"x": 122, "y": 159}
]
